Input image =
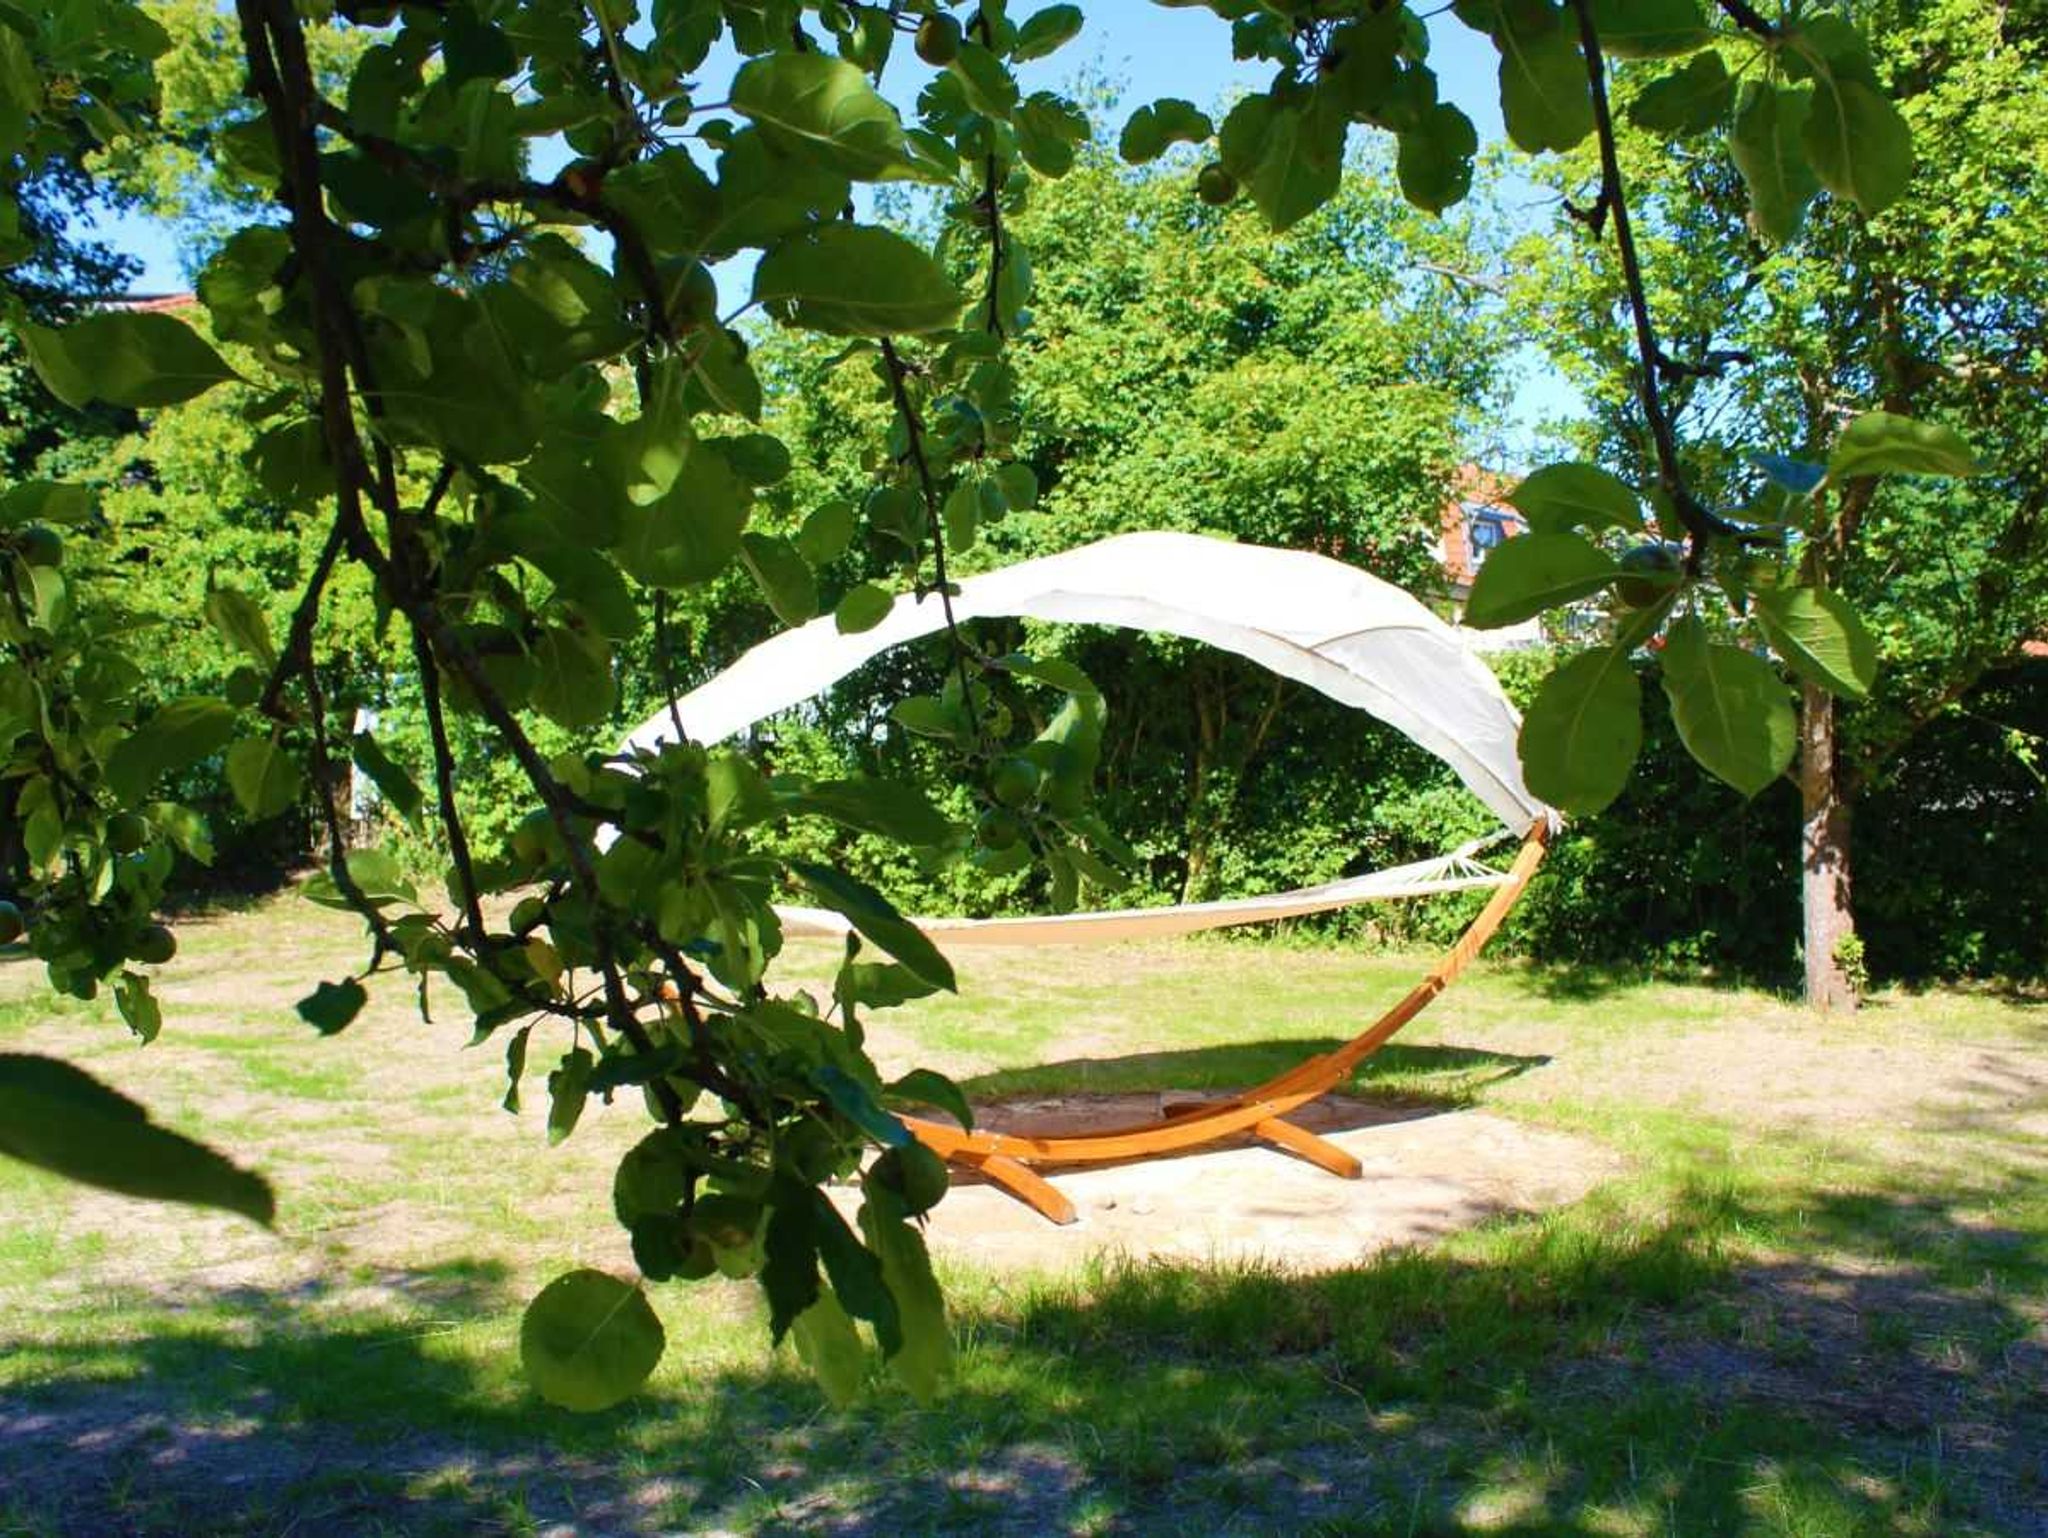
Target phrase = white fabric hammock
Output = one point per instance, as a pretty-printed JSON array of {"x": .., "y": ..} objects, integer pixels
[{"x": 1339, "y": 630}]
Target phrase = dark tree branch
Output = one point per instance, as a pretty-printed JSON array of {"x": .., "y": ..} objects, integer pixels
[
  {"x": 1750, "y": 19},
  {"x": 913, "y": 430},
  {"x": 1700, "y": 524},
  {"x": 444, "y": 792},
  {"x": 665, "y": 657},
  {"x": 381, "y": 943},
  {"x": 282, "y": 78},
  {"x": 300, "y": 635}
]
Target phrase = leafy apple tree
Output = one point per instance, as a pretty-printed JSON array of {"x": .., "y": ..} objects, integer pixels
[{"x": 519, "y": 405}]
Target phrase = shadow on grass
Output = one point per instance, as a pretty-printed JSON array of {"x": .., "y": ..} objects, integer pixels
[
  {"x": 1592, "y": 1371},
  {"x": 1580, "y": 982},
  {"x": 1435, "y": 1076}
]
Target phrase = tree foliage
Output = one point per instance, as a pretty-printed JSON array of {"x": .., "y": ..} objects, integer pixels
[
  {"x": 1906, "y": 574},
  {"x": 514, "y": 405}
]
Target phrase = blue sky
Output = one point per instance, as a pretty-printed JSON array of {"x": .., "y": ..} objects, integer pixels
[{"x": 1149, "y": 50}]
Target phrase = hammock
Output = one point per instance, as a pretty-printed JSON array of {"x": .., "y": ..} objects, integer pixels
[
  {"x": 1453, "y": 872},
  {"x": 1304, "y": 616}
]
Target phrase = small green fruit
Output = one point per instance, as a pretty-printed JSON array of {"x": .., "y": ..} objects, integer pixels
[
  {"x": 938, "y": 41},
  {"x": 1215, "y": 186},
  {"x": 12, "y": 927},
  {"x": 40, "y": 546},
  {"x": 1650, "y": 573},
  {"x": 725, "y": 1222},
  {"x": 126, "y": 832},
  {"x": 999, "y": 829},
  {"x": 914, "y": 1173},
  {"x": 154, "y": 946},
  {"x": 1014, "y": 782}
]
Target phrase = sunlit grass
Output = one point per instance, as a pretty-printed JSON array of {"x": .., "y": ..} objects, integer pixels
[{"x": 1789, "y": 1323}]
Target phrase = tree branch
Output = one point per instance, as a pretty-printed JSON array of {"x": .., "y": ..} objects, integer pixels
[
  {"x": 913, "y": 429},
  {"x": 1700, "y": 524}
]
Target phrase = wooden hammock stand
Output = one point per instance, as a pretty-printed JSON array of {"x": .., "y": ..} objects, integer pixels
[{"x": 1012, "y": 1162}]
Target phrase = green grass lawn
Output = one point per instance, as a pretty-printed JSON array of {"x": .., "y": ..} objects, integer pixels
[{"x": 1813, "y": 1303}]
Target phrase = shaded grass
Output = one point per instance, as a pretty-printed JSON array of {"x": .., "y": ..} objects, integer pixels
[{"x": 1813, "y": 1331}]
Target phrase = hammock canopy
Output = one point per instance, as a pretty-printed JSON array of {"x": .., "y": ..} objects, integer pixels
[
  {"x": 1304, "y": 616},
  {"x": 1339, "y": 630}
]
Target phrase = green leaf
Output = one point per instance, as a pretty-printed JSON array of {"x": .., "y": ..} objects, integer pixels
[
  {"x": 1766, "y": 145},
  {"x": 813, "y": 106},
  {"x": 990, "y": 88},
  {"x": 263, "y": 777},
  {"x": 782, "y": 575},
  {"x": 789, "y": 1271},
  {"x": 572, "y": 682},
  {"x": 61, "y": 1119},
  {"x": 177, "y": 736},
  {"x": 378, "y": 875},
  {"x": 1689, "y": 100},
  {"x": 1154, "y": 128},
  {"x": 855, "y": 1273},
  {"x": 1050, "y": 131},
  {"x": 863, "y": 608},
  {"x": 138, "y": 1006},
  {"x": 241, "y": 622},
  {"x": 393, "y": 783},
  {"x": 888, "y": 808},
  {"x": 828, "y": 1344},
  {"x": 1534, "y": 572},
  {"x": 59, "y": 502},
  {"x": 881, "y": 985},
  {"x": 332, "y": 1007},
  {"x": 581, "y": 574},
  {"x": 857, "y": 280},
  {"x": 877, "y": 919},
  {"x": 1820, "y": 636},
  {"x": 1544, "y": 97},
  {"x": 828, "y": 532},
  {"x": 568, "y": 1092},
  {"x": 853, "y": 1100},
  {"x": 1860, "y": 146},
  {"x": 923, "y": 1087},
  {"x": 1882, "y": 443},
  {"x": 125, "y": 358},
  {"x": 589, "y": 1340},
  {"x": 1583, "y": 731},
  {"x": 926, "y": 1357},
  {"x": 1289, "y": 158},
  {"x": 1434, "y": 159},
  {"x": 1560, "y": 498},
  {"x": 1650, "y": 29},
  {"x": 1045, "y": 32},
  {"x": 1730, "y": 707},
  {"x": 692, "y": 531},
  {"x": 926, "y": 715},
  {"x": 1018, "y": 485},
  {"x": 960, "y": 514}
]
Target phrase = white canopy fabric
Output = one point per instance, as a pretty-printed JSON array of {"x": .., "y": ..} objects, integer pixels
[{"x": 1339, "y": 630}]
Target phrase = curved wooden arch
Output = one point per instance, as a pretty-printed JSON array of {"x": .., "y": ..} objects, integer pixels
[{"x": 1011, "y": 1160}]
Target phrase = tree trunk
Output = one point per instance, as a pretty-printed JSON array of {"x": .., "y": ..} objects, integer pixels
[{"x": 1831, "y": 973}]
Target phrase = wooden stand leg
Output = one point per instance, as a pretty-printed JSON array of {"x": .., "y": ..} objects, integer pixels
[
  {"x": 1028, "y": 1187},
  {"x": 1320, "y": 1152}
]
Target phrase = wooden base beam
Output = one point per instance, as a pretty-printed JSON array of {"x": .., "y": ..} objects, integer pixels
[
  {"x": 1319, "y": 1151},
  {"x": 1029, "y": 1187}
]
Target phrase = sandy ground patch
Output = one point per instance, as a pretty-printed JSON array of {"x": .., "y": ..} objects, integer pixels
[{"x": 1426, "y": 1175}]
